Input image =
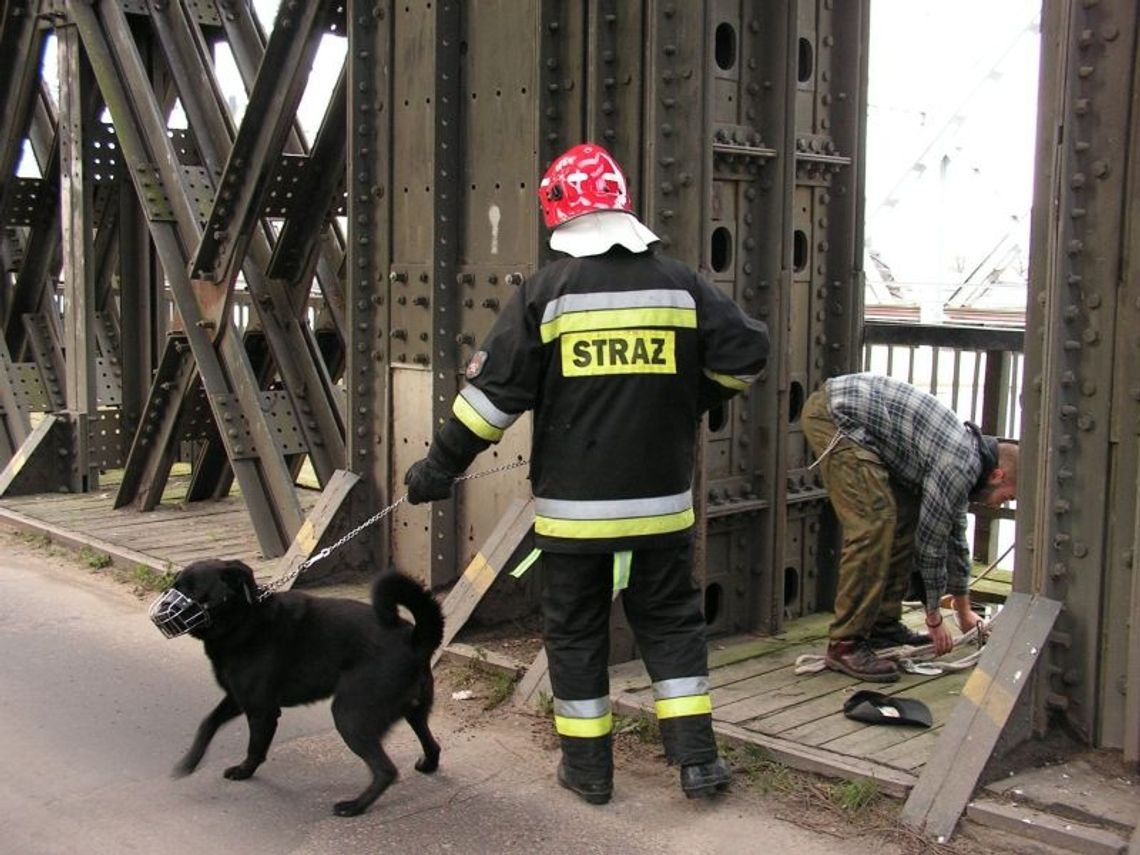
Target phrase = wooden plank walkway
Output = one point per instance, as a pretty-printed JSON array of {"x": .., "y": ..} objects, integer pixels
[
  {"x": 758, "y": 697},
  {"x": 167, "y": 538}
]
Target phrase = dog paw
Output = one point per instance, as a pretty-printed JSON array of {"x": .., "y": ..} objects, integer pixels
[
  {"x": 351, "y": 807},
  {"x": 238, "y": 773},
  {"x": 427, "y": 765}
]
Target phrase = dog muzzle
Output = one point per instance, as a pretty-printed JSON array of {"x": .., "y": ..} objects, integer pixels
[{"x": 176, "y": 614}]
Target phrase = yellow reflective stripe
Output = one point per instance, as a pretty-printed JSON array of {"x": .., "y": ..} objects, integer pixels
[
  {"x": 676, "y": 707},
  {"x": 622, "y": 562},
  {"x": 604, "y": 319},
  {"x": 585, "y": 727},
  {"x": 475, "y": 422},
  {"x": 631, "y": 526},
  {"x": 726, "y": 380},
  {"x": 525, "y": 564}
]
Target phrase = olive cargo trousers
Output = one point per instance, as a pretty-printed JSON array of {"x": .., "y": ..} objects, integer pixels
[{"x": 878, "y": 518}]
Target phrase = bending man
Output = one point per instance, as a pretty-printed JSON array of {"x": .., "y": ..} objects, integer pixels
[{"x": 900, "y": 470}]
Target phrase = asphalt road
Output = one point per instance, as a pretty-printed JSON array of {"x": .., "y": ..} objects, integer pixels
[{"x": 96, "y": 706}]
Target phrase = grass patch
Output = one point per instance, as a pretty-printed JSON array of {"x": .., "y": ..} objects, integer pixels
[
  {"x": 95, "y": 559},
  {"x": 501, "y": 687},
  {"x": 148, "y": 580},
  {"x": 545, "y": 704},
  {"x": 854, "y": 796},
  {"x": 642, "y": 727},
  {"x": 34, "y": 539},
  {"x": 493, "y": 685},
  {"x": 760, "y": 770}
]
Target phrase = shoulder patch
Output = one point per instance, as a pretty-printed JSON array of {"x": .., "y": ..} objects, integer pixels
[{"x": 475, "y": 365}]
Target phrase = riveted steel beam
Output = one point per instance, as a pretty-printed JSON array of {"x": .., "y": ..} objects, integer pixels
[
  {"x": 260, "y": 140},
  {"x": 446, "y": 206},
  {"x": 15, "y": 423},
  {"x": 614, "y": 83},
  {"x": 78, "y": 101},
  {"x": 277, "y": 303},
  {"x": 28, "y": 114},
  {"x": 247, "y": 43},
  {"x": 21, "y": 50},
  {"x": 266, "y": 482},
  {"x": 677, "y": 163},
  {"x": 561, "y": 94},
  {"x": 1077, "y": 344},
  {"x": 500, "y": 121},
  {"x": 368, "y": 256}
]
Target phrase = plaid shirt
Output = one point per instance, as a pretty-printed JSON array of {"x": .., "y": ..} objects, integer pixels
[{"x": 927, "y": 449}]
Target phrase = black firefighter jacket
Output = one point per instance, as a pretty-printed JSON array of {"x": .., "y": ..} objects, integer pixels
[{"x": 618, "y": 356}]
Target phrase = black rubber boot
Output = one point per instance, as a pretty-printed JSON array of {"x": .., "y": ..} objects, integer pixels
[
  {"x": 595, "y": 791},
  {"x": 701, "y": 780}
]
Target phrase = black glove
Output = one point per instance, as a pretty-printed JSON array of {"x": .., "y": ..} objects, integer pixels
[{"x": 427, "y": 481}]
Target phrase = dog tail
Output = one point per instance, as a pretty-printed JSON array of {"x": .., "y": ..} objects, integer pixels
[{"x": 394, "y": 589}]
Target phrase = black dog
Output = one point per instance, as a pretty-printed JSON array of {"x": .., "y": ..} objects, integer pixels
[{"x": 290, "y": 648}]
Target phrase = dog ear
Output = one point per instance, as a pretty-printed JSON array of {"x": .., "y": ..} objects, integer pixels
[{"x": 239, "y": 577}]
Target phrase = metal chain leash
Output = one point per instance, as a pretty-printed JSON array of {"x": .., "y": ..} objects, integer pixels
[{"x": 265, "y": 590}]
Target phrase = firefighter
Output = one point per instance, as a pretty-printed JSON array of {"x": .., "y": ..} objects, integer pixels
[{"x": 618, "y": 350}]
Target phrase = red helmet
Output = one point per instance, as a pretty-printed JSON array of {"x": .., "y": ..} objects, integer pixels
[{"x": 583, "y": 180}]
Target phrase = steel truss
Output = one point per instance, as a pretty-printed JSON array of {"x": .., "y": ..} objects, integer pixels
[{"x": 237, "y": 296}]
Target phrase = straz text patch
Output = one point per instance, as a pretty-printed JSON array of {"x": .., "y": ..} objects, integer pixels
[{"x": 618, "y": 352}]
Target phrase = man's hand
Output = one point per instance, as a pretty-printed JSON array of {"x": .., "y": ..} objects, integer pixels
[
  {"x": 967, "y": 617},
  {"x": 427, "y": 482},
  {"x": 939, "y": 633}
]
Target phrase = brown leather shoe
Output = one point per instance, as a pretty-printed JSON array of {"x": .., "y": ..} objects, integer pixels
[{"x": 856, "y": 659}]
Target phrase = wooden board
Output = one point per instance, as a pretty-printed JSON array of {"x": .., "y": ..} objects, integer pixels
[
  {"x": 969, "y": 737},
  {"x": 491, "y": 560},
  {"x": 1047, "y": 828}
]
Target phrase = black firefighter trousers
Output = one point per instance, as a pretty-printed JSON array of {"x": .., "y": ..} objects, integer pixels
[{"x": 663, "y": 606}]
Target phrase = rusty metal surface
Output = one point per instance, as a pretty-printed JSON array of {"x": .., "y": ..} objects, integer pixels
[{"x": 1080, "y": 355}]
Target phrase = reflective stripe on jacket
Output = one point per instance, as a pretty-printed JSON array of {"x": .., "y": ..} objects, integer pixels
[{"x": 618, "y": 356}]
